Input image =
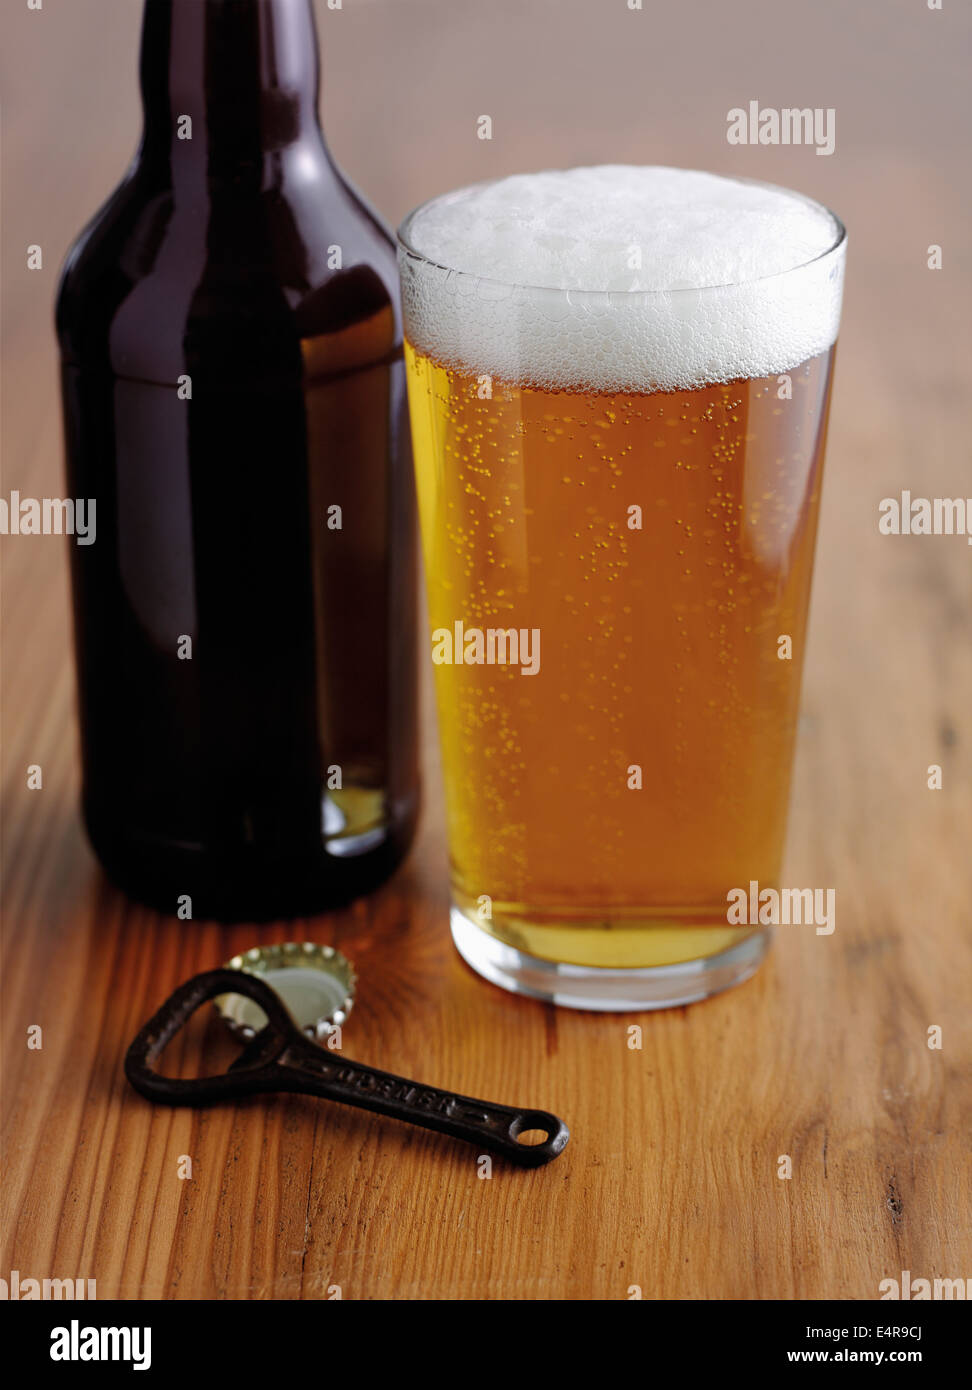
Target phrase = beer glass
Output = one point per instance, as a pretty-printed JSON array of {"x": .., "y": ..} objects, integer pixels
[{"x": 618, "y": 383}]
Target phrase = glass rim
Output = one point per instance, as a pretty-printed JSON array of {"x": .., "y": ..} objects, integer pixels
[{"x": 405, "y": 245}]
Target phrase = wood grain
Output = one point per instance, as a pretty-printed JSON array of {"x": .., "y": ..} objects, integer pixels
[{"x": 670, "y": 1181}]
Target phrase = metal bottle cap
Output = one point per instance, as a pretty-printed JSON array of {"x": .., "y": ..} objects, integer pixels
[{"x": 316, "y": 983}]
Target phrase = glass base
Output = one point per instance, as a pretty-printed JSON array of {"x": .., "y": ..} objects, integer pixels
[{"x": 602, "y": 988}]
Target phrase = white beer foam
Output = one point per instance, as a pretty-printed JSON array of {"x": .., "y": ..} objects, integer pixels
[{"x": 622, "y": 278}]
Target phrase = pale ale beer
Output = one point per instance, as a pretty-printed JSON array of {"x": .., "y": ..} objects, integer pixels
[{"x": 619, "y": 382}]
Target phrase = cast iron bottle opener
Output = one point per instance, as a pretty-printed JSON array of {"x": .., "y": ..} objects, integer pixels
[{"x": 282, "y": 1058}]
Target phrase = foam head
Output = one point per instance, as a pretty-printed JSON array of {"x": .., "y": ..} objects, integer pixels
[{"x": 622, "y": 278}]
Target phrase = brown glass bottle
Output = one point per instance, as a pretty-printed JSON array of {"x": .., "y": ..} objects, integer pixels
[{"x": 234, "y": 401}]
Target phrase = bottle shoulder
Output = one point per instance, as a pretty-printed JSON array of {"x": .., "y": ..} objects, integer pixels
[
  {"x": 172, "y": 274},
  {"x": 94, "y": 260}
]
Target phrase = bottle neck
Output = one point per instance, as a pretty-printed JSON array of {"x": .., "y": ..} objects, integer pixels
[{"x": 226, "y": 82}]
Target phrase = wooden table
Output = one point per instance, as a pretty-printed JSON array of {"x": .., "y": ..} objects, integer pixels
[{"x": 670, "y": 1181}]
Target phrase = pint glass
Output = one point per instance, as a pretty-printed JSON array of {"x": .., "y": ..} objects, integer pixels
[{"x": 618, "y": 383}]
